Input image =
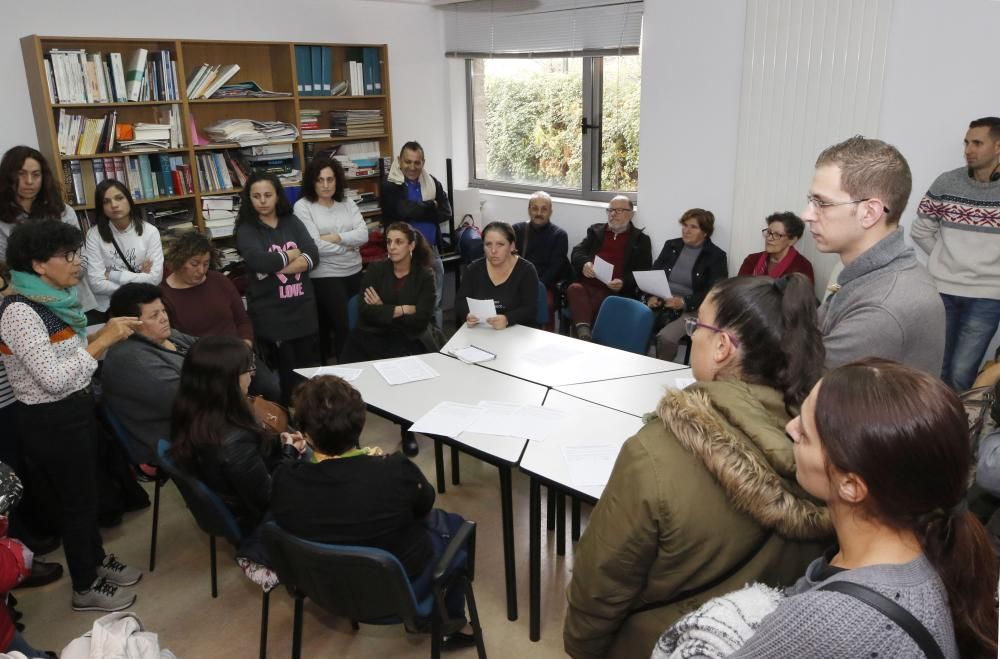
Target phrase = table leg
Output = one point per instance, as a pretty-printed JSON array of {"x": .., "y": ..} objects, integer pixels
[
  {"x": 535, "y": 560},
  {"x": 561, "y": 524},
  {"x": 507, "y": 514},
  {"x": 550, "y": 508},
  {"x": 455, "y": 480},
  {"x": 439, "y": 464},
  {"x": 576, "y": 520}
]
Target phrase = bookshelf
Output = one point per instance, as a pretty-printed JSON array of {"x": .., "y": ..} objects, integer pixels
[{"x": 272, "y": 65}]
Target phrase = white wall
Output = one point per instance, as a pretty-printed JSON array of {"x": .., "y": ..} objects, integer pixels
[{"x": 413, "y": 34}]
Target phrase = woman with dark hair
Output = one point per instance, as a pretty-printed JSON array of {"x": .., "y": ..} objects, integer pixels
[
  {"x": 215, "y": 436},
  {"x": 693, "y": 264},
  {"x": 904, "y": 532},
  {"x": 502, "y": 276},
  {"x": 339, "y": 230},
  {"x": 201, "y": 301},
  {"x": 359, "y": 496},
  {"x": 779, "y": 257},
  {"x": 397, "y": 304},
  {"x": 704, "y": 499},
  {"x": 279, "y": 254},
  {"x": 121, "y": 248},
  {"x": 50, "y": 362}
]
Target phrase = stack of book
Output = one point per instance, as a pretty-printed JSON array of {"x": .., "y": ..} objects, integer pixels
[
  {"x": 276, "y": 132},
  {"x": 309, "y": 123},
  {"x": 219, "y": 213},
  {"x": 278, "y": 159},
  {"x": 357, "y": 123},
  {"x": 207, "y": 79},
  {"x": 228, "y": 257},
  {"x": 170, "y": 219},
  {"x": 364, "y": 200},
  {"x": 81, "y": 135},
  {"x": 249, "y": 132},
  {"x": 246, "y": 90},
  {"x": 221, "y": 170},
  {"x": 75, "y": 76}
]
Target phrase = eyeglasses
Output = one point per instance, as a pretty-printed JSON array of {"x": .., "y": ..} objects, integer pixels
[
  {"x": 691, "y": 324},
  {"x": 821, "y": 205},
  {"x": 770, "y": 235},
  {"x": 618, "y": 211},
  {"x": 70, "y": 255}
]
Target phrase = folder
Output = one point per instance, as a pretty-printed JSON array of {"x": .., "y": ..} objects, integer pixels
[
  {"x": 303, "y": 70},
  {"x": 326, "y": 61},
  {"x": 316, "y": 59}
]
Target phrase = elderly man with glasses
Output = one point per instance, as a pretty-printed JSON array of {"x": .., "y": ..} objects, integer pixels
[
  {"x": 617, "y": 242},
  {"x": 884, "y": 303}
]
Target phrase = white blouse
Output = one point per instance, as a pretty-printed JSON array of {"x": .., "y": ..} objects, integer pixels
[{"x": 106, "y": 272}]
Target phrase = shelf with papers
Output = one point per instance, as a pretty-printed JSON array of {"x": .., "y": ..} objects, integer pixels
[
  {"x": 121, "y": 154},
  {"x": 138, "y": 202},
  {"x": 236, "y": 145},
  {"x": 346, "y": 138},
  {"x": 124, "y": 104},
  {"x": 242, "y": 99}
]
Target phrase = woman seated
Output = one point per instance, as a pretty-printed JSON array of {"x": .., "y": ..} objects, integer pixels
[
  {"x": 201, "y": 301},
  {"x": 779, "y": 257},
  {"x": 693, "y": 263},
  {"x": 397, "y": 301},
  {"x": 703, "y": 499},
  {"x": 502, "y": 276},
  {"x": 216, "y": 438},
  {"x": 350, "y": 495},
  {"x": 121, "y": 248},
  {"x": 904, "y": 532}
]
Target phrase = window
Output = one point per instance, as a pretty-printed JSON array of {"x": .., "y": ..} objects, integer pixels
[{"x": 566, "y": 124}]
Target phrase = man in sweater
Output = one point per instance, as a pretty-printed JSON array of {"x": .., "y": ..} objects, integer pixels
[
  {"x": 544, "y": 245},
  {"x": 958, "y": 225},
  {"x": 884, "y": 303}
]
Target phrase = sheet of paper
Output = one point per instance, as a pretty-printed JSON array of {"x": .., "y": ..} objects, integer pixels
[
  {"x": 590, "y": 465},
  {"x": 498, "y": 418},
  {"x": 552, "y": 354},
  {"x": 349, "y": 374},
  {"x": 405, "y": 369},
  {"x": 472, "y": 355},
  {"x": 448, "y": 419},
  {"x": 683, "y": 383},
  {"x": 482, "y": 309},
  {"x": 653, "y": 282},
  {"x": 540, "y": 423},
  {"x": 603, "y": 270}
]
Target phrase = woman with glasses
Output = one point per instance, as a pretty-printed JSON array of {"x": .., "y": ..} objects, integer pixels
[
  {"x": 50, "y": 362},
  {"x": 779, "y": 257},
  {"x": 704, "y": 498},
  {"x": 693, "y": 263}
]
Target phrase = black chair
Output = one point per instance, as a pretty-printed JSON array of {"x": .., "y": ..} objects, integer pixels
[
  {"x": 214, "y": 518},
  {"x": 370, "y": 585},
  {"x": 127, "y": 441}
]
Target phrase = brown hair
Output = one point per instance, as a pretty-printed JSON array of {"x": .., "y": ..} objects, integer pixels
[
  {"x": 704, "y": 218},
  {"x": 49, "y": 202},
  {"x": 871, "y": 169},
  {"x": 906, "y": 434},
  {"x": 331, "y": 412},
  {"x": 186, "y": 246},
  {"x": 993, "y": 123},
  {"x": 313, "y": 170},
  {"x": 422, "y": 254}
]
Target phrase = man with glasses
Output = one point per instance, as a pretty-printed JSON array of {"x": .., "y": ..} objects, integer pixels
[
  {"x": 884, "y": 303},
  {"x": 618, "y": 242},
  {"x": 958, "y": 225}
]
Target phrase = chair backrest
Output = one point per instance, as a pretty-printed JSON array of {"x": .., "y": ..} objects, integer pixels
[
  {"x": 352, "y": 311},
  {"x": 123, "y": 436},
  {"x": 623, "y": 323},
  {"x": 542, "y": 316},
  {"x": 209, "y": 511},
  {"x": 360, "y": 583}
]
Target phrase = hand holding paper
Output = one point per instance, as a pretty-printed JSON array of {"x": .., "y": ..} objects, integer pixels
[
  {"x": 603, "y": 270},
  {"x": 653, "y": 282},
  {"x": 483, "y": 310}
]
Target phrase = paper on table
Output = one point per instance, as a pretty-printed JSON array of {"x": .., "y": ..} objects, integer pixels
[
  {"x": 448, "y": 419},
  {"x": 590, "y": 465},
  {"x": 541, "y": 422},
  {"x": 603, "y": 270},
  {"x": 482, "y": 309},
  {"x": 653, "y": 282},
  {"x": 405, "y": 369},
  {"x": 349, "y": 374},
  {"x": 472, "y": 355},
  {"x": 498, "y": 418},
  {"x": 550, "y": 354}
]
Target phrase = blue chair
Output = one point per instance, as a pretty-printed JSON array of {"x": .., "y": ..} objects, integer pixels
[
  {"x": 352, "y": 311},
  {"x": 214, "y": 518},
  {"x": 370, "y": 585},
  {"x": 542, "y": 316},
  {"x": 623, "y": 323},
  {"x": 127, "y": 442}
]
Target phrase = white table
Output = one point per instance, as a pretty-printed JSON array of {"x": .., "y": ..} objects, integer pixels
[
  {"x": 553, "y": 359},
  {"x": 460, "y": 383},
  {"x": 634, "y": 395}
]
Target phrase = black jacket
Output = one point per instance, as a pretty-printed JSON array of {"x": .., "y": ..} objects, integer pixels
[
  {"x": 547, "y": 248},
  {"x": 638, "y": 254},
  {"x": 709, "y": 268},
  {"x": 397, "y": 208}
]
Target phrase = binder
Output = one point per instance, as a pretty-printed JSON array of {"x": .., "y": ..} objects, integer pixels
[
  {"x": 326, "y": 61},
  {"x": 316, "y": 60},
  {"x": 168, "y": 183},
  {"x": 303, "y": 69},
  {"x": 377, "y": 70}
]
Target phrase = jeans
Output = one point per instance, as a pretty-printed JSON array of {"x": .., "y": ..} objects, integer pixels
[{"x": 970, "y": 324}]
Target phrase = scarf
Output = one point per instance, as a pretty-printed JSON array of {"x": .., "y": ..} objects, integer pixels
[
  {"x": 63, "y": 302},
  {"x": 779, "y": 268},
  {"x": 427, "y": 188}
]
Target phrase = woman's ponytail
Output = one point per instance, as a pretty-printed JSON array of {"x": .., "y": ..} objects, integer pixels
[{"x": 802, "y": 341}]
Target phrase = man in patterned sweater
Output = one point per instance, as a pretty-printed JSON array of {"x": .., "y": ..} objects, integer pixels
[{"x": 958, "y": 225}]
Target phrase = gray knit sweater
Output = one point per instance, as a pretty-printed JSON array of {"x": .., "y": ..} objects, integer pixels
[{"x": 811, "y": 623}]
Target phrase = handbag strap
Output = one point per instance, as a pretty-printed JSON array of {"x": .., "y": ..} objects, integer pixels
[
  {"x": 122, "y": 255},
  {"x": 906, "y": 621}
]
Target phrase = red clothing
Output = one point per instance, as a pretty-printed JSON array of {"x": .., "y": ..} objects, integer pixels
[
  {"x": 799, "y": 264},
  {"x": 13, "y": 569},
  {"x": 212, "y": 308},
  {"x": 613, "y": 251}
]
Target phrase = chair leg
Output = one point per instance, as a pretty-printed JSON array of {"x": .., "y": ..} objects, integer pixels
[
  {"x": 156, "y": 522},
  {"x": 211, "y": 549},
  {"x": 575, "y": 534},
  {"x": 455, "y": 479},
  {"x": 264, "y": 606},
  {"x": 436, "y": 635},
  {"x": 297, "y": 629},
  {"x": 477, "y": 630},
  {"x": 550, "y": 508},
  {"x": 561, "y": 524}
]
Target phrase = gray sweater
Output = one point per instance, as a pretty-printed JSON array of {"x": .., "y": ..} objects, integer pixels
[
  {"x": 139, "y": 380},
  {"x": 887, "y": 306},
  {"x": 811, "y": 623}
]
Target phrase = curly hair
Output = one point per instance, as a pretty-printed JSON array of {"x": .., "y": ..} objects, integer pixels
[
  {"x": 40, "y": 241},
  {"x": 331, "y": 412},
  {"x": 186, "y": 246},
  {"x": 313, "y": 170},
  {"x": 49, "y": 201}
]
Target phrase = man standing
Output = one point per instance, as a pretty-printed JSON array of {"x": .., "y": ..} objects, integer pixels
[
  {"x": 410, "y": 194},
  {"x": 958, "y": 225},
  {"x": 544, "y": 244},
  {"x": 884, "y": 303}
]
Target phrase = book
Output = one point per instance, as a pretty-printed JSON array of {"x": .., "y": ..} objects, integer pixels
[
  {"x": 303, "y": 71},
  {"x": 326, "y": 61},
  {"x": 316, "y": 64},
  {"x": 135, "y": 73},
  {"x": 224, "y": 73}
]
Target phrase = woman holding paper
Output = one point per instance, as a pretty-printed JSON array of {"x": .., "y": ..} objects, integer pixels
[
  {"x": 500, "y": 277},
  {"x": 779, "y": 256},
  {"x": 704, "y": 498},
  {"x": 692, "y": 263}
]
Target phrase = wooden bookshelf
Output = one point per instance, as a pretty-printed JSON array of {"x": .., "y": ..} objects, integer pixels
[{"x": 271, "y": 64}]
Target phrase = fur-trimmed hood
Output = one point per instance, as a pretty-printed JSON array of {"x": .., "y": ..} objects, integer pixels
[{"x": 737, "y": 430}]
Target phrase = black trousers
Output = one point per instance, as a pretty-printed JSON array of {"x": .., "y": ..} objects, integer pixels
[
  {"x": 60, "y": 441},
  {"x": 288, "y": 355},
  {"x": 364, "y": 346},
  {"x": 332, "y": 294}
]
